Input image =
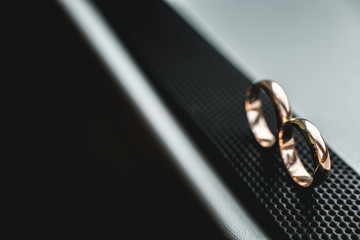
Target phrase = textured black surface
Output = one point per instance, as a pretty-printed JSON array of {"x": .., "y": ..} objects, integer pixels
[{"x": 207, "y": 93}]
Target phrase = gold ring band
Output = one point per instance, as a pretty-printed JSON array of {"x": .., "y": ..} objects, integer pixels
[
  {"x": 317, "y": 146},
  {"x": 254, "y": 114},
  {"x": 286, "y": 125}
]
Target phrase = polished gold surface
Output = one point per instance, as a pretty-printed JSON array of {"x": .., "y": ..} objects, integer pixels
[
  {"x": 321, "y": 156},
  {"x": 255, "y": 116}
]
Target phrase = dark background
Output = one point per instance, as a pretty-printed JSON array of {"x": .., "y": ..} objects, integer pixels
[{"x": 81, "y": 162}]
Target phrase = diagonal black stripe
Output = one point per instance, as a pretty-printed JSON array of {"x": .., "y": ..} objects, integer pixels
[{"x": 207, "y": 93}]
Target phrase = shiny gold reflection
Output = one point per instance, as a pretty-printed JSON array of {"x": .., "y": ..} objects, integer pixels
[
  {"x": 321, "y": 156},
  {"x": 254, "y": 114}
]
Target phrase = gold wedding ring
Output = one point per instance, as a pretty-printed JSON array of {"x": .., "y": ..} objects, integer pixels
[
  {"x": 317, "y": 146},
  {"x": 286, "y": 125},
  {"x": 255, "y": 116}
]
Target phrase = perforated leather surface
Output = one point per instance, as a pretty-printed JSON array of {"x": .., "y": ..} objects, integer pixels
[{"x": 207, "y": 93}]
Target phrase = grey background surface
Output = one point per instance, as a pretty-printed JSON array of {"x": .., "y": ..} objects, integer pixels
[{"x": 312, "y": 48}]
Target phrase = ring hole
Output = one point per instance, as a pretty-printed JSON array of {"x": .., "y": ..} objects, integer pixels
[
  {"x": 296, "y": 154},
  {"x": 303, "y": 150},
  {"x": 268, "y": 111},
  {"x": 258, "y": 107}
]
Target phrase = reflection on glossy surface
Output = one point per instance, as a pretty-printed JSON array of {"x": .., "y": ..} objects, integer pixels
[
  {"x": 254, "y": 114},
  {"x": 292, "y": 161}
]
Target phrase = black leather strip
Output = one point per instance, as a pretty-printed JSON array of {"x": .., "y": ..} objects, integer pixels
[{"x": 207, "y": 93}]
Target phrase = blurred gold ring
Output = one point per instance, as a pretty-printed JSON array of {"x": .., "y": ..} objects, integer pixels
[
  {"x": 255, "y": 116},
  {"x": 317, "y": 146}
]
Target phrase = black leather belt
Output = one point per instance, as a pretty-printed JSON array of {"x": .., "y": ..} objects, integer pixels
[{"x": 207, "y": 94}]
